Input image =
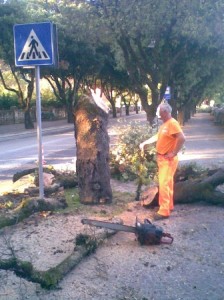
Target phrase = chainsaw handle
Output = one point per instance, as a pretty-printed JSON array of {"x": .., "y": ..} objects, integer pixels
[
  {"x": 168, "y": 238},
  {"x": 146, "y": 221}
]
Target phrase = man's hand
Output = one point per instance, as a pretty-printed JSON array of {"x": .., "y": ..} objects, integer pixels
[
  {"x": 153, "y": 139},
  {"x": 170, "y": 155},
  {"x": 142, "y": 146}
]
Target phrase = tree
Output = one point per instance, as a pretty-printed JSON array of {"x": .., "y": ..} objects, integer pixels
[
  {"x": 75, "y": 67},
  {"x": 12, "y": 12},
  {"x": 24, "y": 97},
  {"x": 113, "y": 81},
  {"x": 92, "y": 143},
  {"x": 192, "y": 82},
  {"x": 191, "y": 187},
  {"x": 151, "y": 38},
  {"x": 79, "y": 61}
]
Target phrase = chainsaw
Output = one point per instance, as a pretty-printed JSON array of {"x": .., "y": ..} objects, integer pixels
[{"x": 146, "y": 233}]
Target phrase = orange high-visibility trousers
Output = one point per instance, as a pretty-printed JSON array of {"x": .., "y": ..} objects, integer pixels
[{"x": 167, "y": 169}]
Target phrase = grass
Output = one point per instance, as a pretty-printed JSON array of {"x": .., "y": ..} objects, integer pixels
[{"x": 119, "y": 204}]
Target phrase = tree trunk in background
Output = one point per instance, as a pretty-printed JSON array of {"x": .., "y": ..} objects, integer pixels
[
  {"x": 70, "y": 117},
  {"x": 28, "y": 119},
  {"x": 114, "y": 110},
  {"x": 92, "y": 142},
  {"x": 180, "y": 117},
  {"x": 127, "y": 112}
]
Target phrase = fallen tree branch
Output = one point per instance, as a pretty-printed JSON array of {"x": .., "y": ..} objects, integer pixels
[
  {"x": 192, "y": 190},
  {"x": 29, "y": 206},
  {"x": 67, "y": 179},
  {"x": 50, "y": 278}
]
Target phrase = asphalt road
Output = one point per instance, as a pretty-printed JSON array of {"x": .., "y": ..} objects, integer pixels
[
  {"x": 19, "y": 148},
  {"x": 204, "y": 142},
  {"x": 22, "y": 152}
]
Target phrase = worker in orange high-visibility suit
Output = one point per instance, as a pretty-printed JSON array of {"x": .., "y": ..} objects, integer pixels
[{"x": 169, "y": 141}]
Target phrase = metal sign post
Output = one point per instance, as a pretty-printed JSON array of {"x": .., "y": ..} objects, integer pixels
[
  {"x": 39, "y": 131},
  {"x": 35, "y": 45}
]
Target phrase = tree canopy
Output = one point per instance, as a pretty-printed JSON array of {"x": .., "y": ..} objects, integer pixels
[{"x": 141, "y": 46}]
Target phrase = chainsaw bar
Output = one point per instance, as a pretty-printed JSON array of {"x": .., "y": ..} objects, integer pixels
[{"x": 108, "y": 225}]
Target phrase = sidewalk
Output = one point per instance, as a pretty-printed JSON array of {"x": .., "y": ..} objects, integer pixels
[
  {"x": 204, "y": 142},
  {"x": 12, "y": 130}
]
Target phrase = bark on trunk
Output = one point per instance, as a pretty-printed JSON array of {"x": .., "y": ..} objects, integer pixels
[
  {"x": 180, "y": 117},
  {"x": 114, "y": 110},
  {"x": 70, "y": 113},
  {"x": 28, "y": 119},
  {"x": 92, "y": 143},
  {"x": 200, "y": 189}
]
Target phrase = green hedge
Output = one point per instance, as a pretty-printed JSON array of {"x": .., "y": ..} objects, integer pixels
[{"x": 7, "y": 101}]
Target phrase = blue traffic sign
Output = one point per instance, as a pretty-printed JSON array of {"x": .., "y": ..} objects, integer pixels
[
  {"x": 167, "y": 94},
  {"x": 34, "y": 44}
]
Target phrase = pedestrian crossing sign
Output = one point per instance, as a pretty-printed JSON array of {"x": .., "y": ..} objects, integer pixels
[{"x": 35, "y": 44}]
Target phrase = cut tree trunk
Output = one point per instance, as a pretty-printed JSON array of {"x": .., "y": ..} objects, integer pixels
[
  {"x": 92, "y": 143},
  {"x": 204, "y": 189},
  {"x": 192, "y": 190}
]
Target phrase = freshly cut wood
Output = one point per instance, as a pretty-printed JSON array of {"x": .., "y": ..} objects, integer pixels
[{"x": 148, "y": 195}]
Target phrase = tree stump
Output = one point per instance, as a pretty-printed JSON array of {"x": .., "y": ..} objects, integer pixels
[{"x": 92, "y": 143}]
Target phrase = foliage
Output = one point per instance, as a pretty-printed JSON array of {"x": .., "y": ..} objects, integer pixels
[
  {"x": 127, "y": 162},
  {"x": 48, "y": 99},
  {"x": 204, "y": 109},
  {"x": 7, "y": 100},
  {"x": 140, "y": 46},
  {"x": 89, "y": 242},
  {"x": 159, "y": 46},
  {"x": 193, "y": 168},
  {"x": 14, "y": 12}
]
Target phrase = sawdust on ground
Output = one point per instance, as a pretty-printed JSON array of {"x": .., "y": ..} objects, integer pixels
[{"x": 191, "y": 268}]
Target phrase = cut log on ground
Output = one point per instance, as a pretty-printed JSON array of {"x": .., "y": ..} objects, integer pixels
[
  {"x": 204, "y": 189},
  {"x": 148, "y": 195},
  {"x": 29, "y": 206},
  {"x": 193, "y": 190},
  {"x": 66, "y": 179}
]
